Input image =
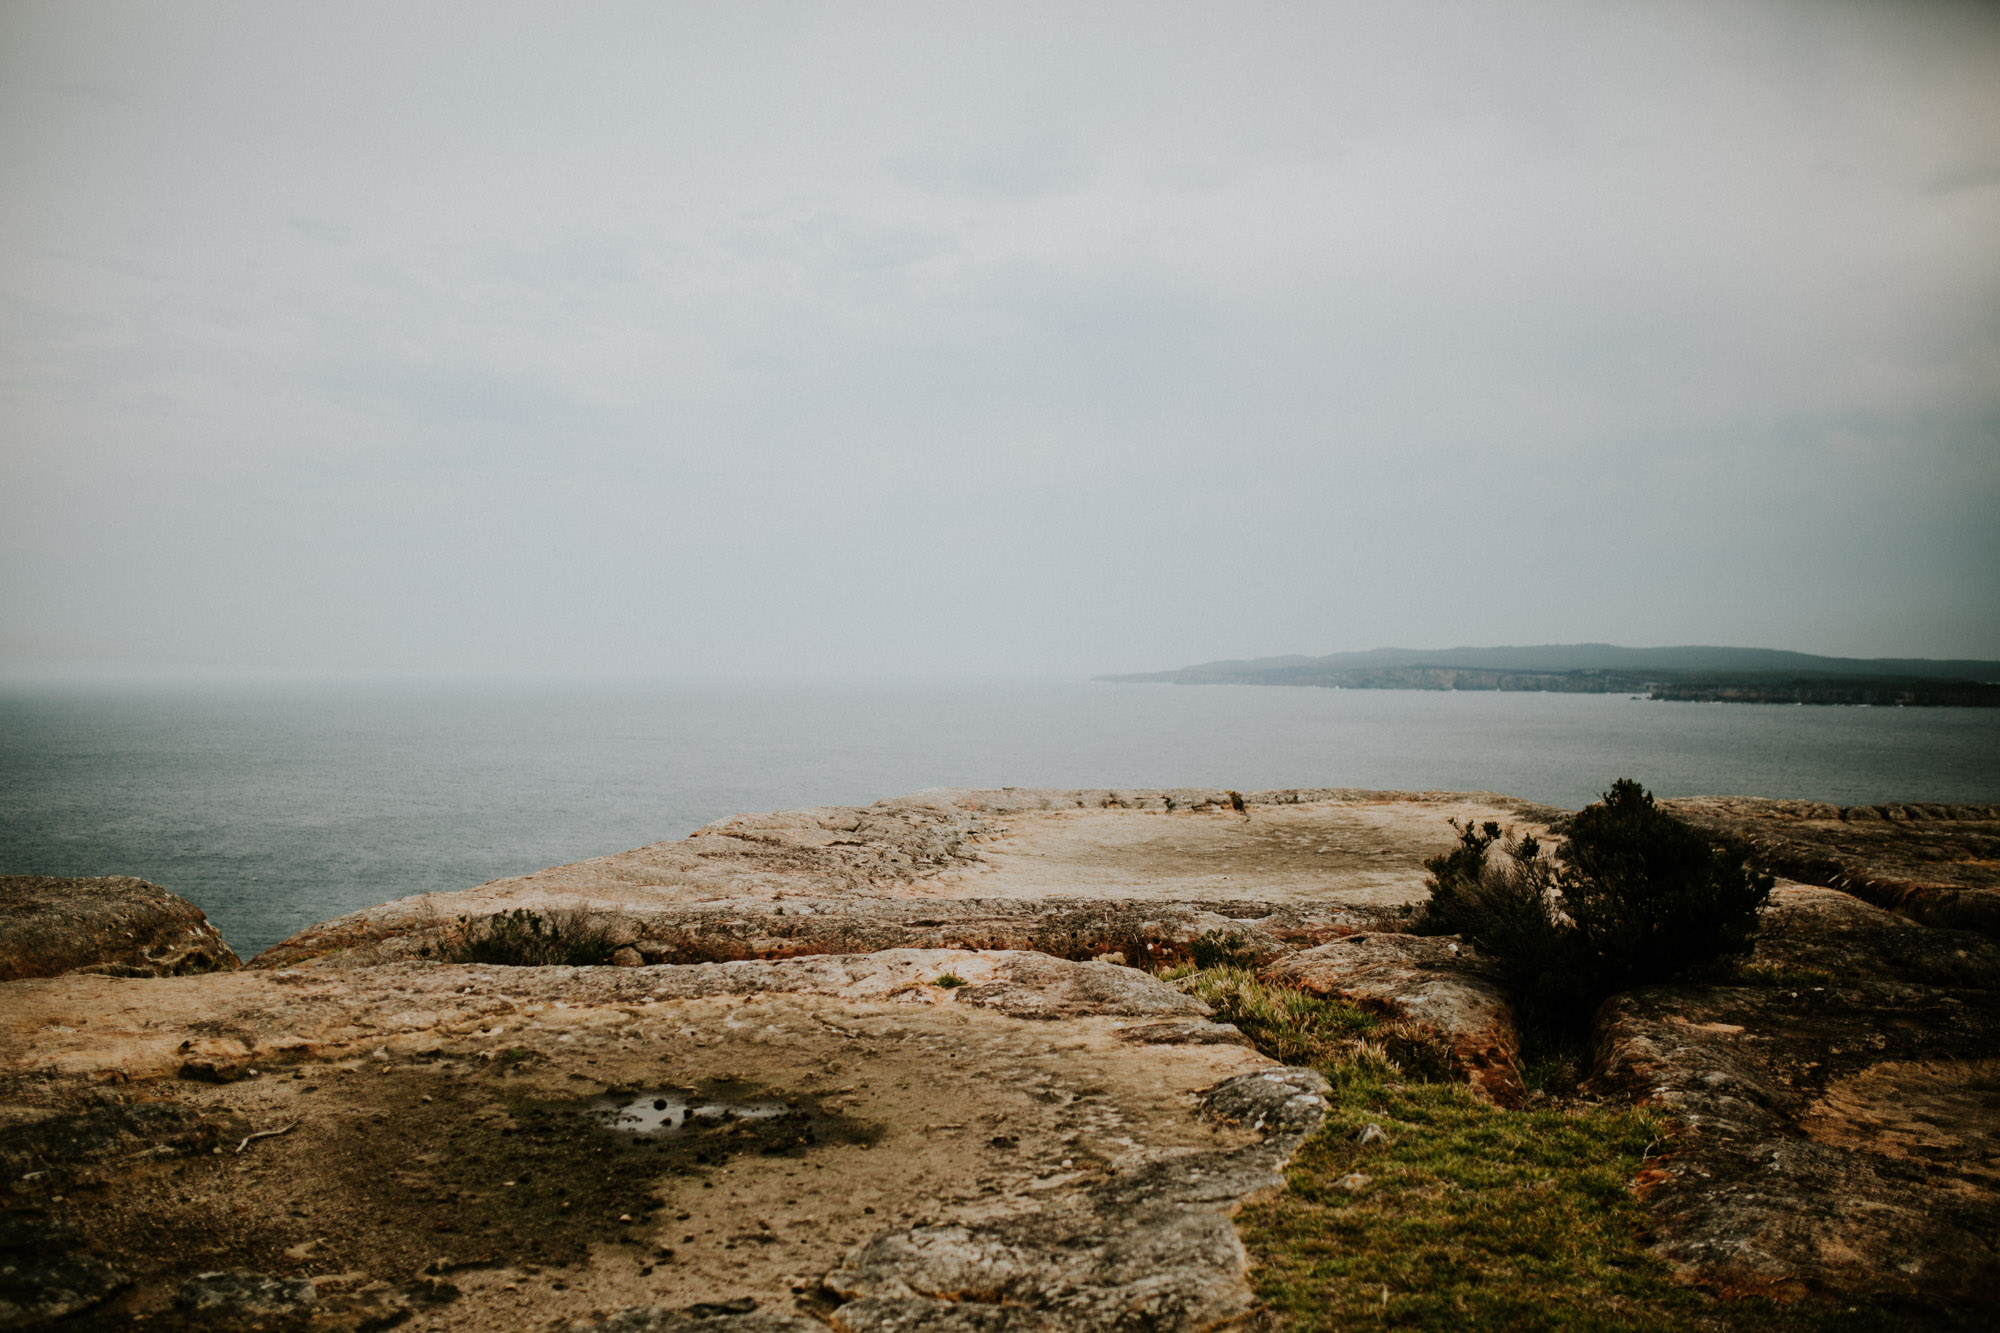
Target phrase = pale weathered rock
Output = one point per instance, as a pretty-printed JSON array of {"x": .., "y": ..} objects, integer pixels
[
  {"x": 1183, "y": 1032},
  {"x": 118, "y": 925},
  {"x": 446, "y": 1114},
  {"x": 972, "y": 1137},
  {"x": 1433, "y": 982}
]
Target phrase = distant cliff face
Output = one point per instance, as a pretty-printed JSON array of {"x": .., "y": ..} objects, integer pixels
[
  {"x": 118, "y": 925},
  {"x": 1708, "y": 675}
]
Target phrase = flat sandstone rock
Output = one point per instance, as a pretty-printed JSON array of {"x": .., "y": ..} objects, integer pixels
[{"x": 977, "y": 869}]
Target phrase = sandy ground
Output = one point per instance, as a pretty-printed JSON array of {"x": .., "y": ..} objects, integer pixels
[{"x": 1353, "y": 852}]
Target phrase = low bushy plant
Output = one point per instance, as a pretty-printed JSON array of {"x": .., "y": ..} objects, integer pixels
[
  {"x": 1215, "y": 949},
  {"x": 1632, "y": 896},
  {"x": 522, "y": 938},
  {"x": 1649, "y": 896}
]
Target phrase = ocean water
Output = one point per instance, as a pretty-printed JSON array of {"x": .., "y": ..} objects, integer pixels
[{"x": 275, "y": 807}]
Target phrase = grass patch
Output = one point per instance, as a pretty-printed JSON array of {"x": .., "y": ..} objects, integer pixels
[
  {"x": 1470, "y": 1217},
  {"x": 946, "y": 981}
]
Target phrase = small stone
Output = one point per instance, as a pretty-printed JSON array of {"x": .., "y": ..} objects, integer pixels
[
  {"x": 240, "y": 1293},
  {"x": 1371, "y": 1134},
  {"x": 712, "y": 1309},
  {"x": 1352, "y": 1181},
  {"x": 627, "y": 957}
]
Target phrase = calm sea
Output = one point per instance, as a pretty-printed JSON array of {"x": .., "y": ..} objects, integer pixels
[{"x": 275, "y": 807}]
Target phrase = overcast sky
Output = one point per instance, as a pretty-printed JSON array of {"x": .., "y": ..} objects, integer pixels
[{"x": 702, "y": 339}]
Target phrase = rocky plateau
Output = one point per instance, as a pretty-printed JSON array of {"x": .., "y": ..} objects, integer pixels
[{"x": 905, "y": 1067}]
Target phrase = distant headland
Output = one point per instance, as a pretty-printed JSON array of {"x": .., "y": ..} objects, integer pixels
[{"x": 1691, "y": 673}]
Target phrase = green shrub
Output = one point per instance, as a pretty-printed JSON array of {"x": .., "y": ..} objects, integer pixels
[
  {"x": 521, "y": 938},
  {"x": 1633, "y": 896},
  {"x": 1649, "y": 896},
  {"x": 1215, "y": 949}
]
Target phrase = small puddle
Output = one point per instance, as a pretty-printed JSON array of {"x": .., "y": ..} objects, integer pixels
[{"x": 667, "y": 1112}]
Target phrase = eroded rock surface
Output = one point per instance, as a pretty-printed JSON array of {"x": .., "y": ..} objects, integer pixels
[
  {"x": 1937, "y": 863},
  {"x": 116, "y": 925},
  {"x": 1841, "y": 1118},
  {"x": 1150, "y": 1246}
]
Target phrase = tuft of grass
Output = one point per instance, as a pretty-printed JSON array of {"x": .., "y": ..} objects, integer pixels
[
  {"x": 522, "y": 938},
  {"x": 1285, "y": 1023},
  {"x": 946, "y": 981}
]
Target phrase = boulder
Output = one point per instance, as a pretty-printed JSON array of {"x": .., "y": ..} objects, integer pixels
[
  {"x": 118, "y": 926},
  {"x": 1433, "y": 983}
]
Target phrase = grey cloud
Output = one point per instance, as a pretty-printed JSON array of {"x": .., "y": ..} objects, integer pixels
[
  {"x": 1149, "y": 333},
  {"x": 333, "y": 233},
  {"x": 1962, "y": 179}
]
